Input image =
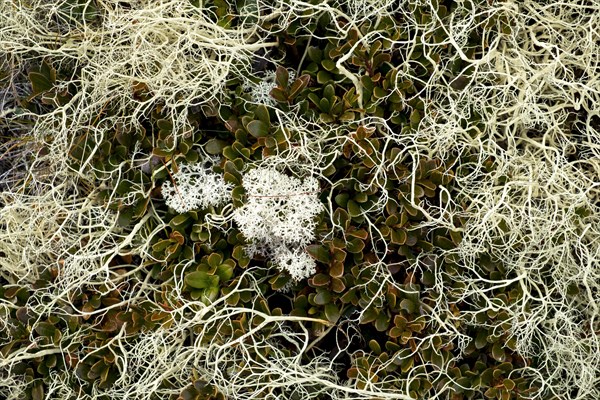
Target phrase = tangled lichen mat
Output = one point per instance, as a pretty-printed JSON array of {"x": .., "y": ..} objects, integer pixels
[{"x": 286, "y": 199}]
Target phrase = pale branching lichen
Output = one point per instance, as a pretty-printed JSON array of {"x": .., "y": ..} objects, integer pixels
[
  {"x": 279, "y": 215},
  {"x": 195, "y": 186}
]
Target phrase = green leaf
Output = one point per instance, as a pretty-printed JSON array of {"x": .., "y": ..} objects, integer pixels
[
  {"x": 481, "y": 339},
  {"x": 324, "y": 105},
  {"x": 239, "y": 253},
  {"x": 311, "y": 68},
  {"x": 374, "y": 346},
  {"x": 39, "y": 83},
  {"x": 395, "y": 332},
  {"x": 337, "y": 285},
  {"x": 319, "y": 253},
  {"x": 509, "y": 384},
  {"x": 347, "y": 116},
  {"x": 337, "y": 269},
  {"x": 341, "y": 217},
  {"x": 355, "y": 245},
  {"x": 382, "y": 322},
  {"x": 262, "y": 113},
  {"x": 215, "y": 259},
  {"x": 329, "y": 93},
  {"x": 367, "y": 83},
  {"x": 215, "y": 146},
  {"x": 314, "y": 98},
  {"x": 201, "y": 280},
  {"x": 353, "y": 208},
  {"x": 329, "y": 65},
  {"x": 408, "y": 305},
  {"x": 237, "y": 194},
  {"x": 322, "y": 297},
  {"x": 230, "y": 153},
  {"x": 37, "y": 392},
  {"x": 369, "y": 315},
  {"x": 279, "y": 281},
  {"x": 282, "y": 76},
  {"x": 196, "y": 294},
  {"x": 298, "y": 85},
  {"x": 179, "y": 220},
  {"x": 162, "y": 245},
  {"x": 48, "y": 71},
  {"x": 379, "y": 93},
  {"x": 278, "y": 95},
  {"x": 315, "y": 54},
  {"x": 399, "y": 236},
  {"x": 45, "y": 329},
  {"x": 332, "y": 312},
  {"x": 498, "y": 352},
  {"x": 380, "y": 59},
  {"x": 437, "y": 359},
  {"x": 301, "y": 301},
  {"x": 323, "y": 77},
  {"x": 225, "y": 271},
  {"x": 125, "y": 216},
  {"x": 415, "y": 118},
  {"x": 211, "y": 293},
  {"x": 258, "y": 128},
  {"x": 320, "y": 280},
  {"x": 443, "y": 242},
  {"x": 165, "y": 126},
  {"x": 231, "y": 178}
]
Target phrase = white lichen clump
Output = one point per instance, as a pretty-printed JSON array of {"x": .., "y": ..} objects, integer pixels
[
  {"x": 296, "y": 262},
  {"x": 279, "y": 218},
  {"x": 261, "y": 91},
  {"x": 196, "y": 187}
]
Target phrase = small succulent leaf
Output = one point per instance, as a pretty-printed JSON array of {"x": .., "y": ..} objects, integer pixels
[
  {"x": 37, "y": 392},
  {"x": 258, "y": 128},
  {"x": 369, "y": 315},
  {"x": 337, "y": 269},
  {"x": 323, "y": 77},
  {"x": 45, "y": 329},
  {"x": 224, "y": 272},
  {"x": 262, "y": 113},
  {"x": 282, "y": 76},
  {"x": 319, "y": 253},
  {"x": 498, "y": 352},
  {"x": 215, "y": 146},
  {"x": 374, "y": 346},
  {"x": 210, "y": 294},
  {"x": 355, "y": 245},
  {"x": 322, "y": 297},
  {"x": 39, "y": 83},
  {"x": 320, "y": 280},
  {"x": 201, "y": 280},
  {"x": 508, "y": 384},
  {"x": 337, "y": 285},
  {"x": 279, "y": 95},
  {"x": 329, "y": 93},
  {"x": 382, "y": 322},
  {"x": 329, "y": 65},
  {"x": 353, "y": 208},
  {"x": 408, "y": 305},
  {"x": 215, "y": 259},
  {"x": 299, "y": 84},
  {"x": 415, "y": 118},
  {"x": 315, "y": 54},
  {"x": 332, "y": 312},
  {"x": 341, "y": 217}
]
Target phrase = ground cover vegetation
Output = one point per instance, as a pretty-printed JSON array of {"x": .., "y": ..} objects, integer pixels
[{"x": 285, "y": 199}]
